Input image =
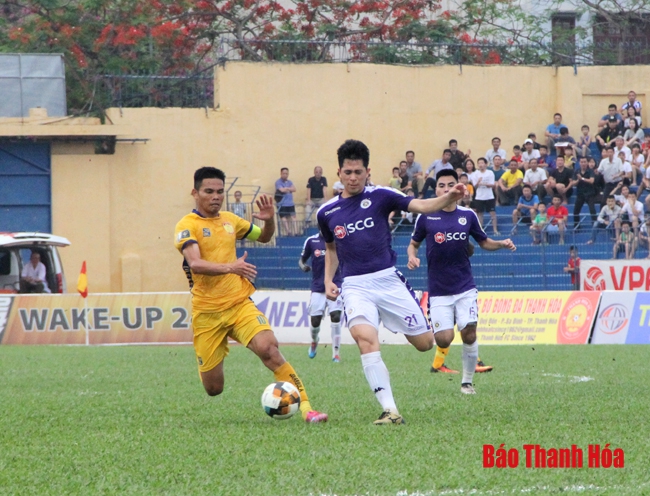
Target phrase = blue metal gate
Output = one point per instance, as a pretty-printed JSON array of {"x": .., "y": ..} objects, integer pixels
[{"x": 25, "y": 187}]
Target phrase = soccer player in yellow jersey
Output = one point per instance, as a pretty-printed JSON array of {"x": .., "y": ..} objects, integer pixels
[{"x": 221, "y": 286}]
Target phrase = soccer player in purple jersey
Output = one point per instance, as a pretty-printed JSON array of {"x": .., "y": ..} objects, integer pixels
[
  {"x": 314, "y": 247},
  {"x": 452, "y": 291},
  {"x": 355, "y": 228}
]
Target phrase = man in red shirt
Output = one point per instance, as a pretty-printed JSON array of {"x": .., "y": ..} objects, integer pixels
[
  {"x": 557, "y": 215},
  {"x": 573, "y": 267}
]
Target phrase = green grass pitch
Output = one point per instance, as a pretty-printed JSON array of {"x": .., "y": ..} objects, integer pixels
[{"x": 135, "y": 420}]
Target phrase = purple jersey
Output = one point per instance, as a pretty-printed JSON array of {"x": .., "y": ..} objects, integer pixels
[
  {"x": 314, "y": 247},
  {"x": 447, "y": 235},
  {"x": 359, "y": 227}
]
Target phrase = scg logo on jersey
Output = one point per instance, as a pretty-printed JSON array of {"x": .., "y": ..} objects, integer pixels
[
  {"x": 342, "y": 231},
  {"x": 450, "y": 236}
]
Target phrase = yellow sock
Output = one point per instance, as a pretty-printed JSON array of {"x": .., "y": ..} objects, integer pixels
[
  {"x": 439, "y": 359},
  {"x": 286, "y": 373}
]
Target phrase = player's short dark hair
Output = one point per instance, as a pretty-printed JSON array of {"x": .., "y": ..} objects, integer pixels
[
  {"x": 207, "y": 173},
  {"x": 354, "y": 150},
  {"x": 452, "y": 141},
  {"x": 447, "y": 172},
  {"x": 446, "y": 150}
]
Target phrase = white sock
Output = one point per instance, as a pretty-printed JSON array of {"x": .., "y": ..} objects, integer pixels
[
  {"x": 470, "y": 356},
  {"x": 336, "y": 338},
  {"x": 314, "y": 333},
  {"x": 379, "y": 380}
]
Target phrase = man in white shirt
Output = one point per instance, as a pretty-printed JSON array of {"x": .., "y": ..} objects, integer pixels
[
  {"x": 529, "y": 153},
  {"x": 633, "y": 209},
  {"x": 495, "y": 150},
  {"x": 32, "y": 278},
  {"x": 484, "y": 201},
  {"x": 611, "y": 168},
  {"x": 620, "y": 147},
  {"x": 535, "y": 177}
]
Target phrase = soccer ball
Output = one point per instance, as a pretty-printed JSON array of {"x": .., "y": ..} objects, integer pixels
[{"x": 281, "y": 400}]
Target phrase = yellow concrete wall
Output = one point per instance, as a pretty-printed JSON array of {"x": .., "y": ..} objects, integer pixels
[{"x": 119, "y": 210}]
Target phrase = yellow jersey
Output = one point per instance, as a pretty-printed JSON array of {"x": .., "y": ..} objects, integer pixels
[
  {"x": 511, "y": 179},
  {"x": 216, "y": 237}
]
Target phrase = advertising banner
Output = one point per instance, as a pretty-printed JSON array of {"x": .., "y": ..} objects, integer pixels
[
  {"x": 544, "y": 317},
  {"x": 119, "y": 318},
  {"x": 155, "y": 318},
  {"x": 616, "y": 275},
  {"x": 614, "y": 316}
]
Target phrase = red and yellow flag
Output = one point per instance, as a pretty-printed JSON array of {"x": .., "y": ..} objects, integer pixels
[{"x": 82, "y": 282}]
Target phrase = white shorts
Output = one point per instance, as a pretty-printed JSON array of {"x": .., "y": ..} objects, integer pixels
[
  {"x": 319, "y": 302},
  {"x": 384, "y": 296},
  {"x": 460, "y": 309}
]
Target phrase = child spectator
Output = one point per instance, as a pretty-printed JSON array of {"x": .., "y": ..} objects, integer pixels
[
  {"x": 538, "y": 225},
  {"x": 619, "y": 146},
  {"x": 516, "y": 150},
  {"x": 573, "y": 267},
  {"x": 624, "y": 240},
  {"x": 543, "y": 160},
  {"x": 469, "y": 193},
  {"x": 552, "y": 132},
  {"x": 395, "y": 181},
  {"x": 569, "y": 158},
  {"x": 582, "y": 147},
  {"x": 526, "y": 208},
  {"x": 557, "y": 215},
  {"x": 606, "y": 218}
]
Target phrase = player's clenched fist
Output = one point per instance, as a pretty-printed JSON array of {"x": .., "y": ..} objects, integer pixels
[
  {"x": 331, "y": 291},
  {"x": 507, "y": 243},
  {"x": 414, "y": 263}
]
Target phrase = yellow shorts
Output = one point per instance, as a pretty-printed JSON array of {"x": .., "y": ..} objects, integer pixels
[{"x": 212, "y": 330}]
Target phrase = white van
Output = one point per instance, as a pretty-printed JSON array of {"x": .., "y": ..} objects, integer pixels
[{"x": 15, "y": 250}]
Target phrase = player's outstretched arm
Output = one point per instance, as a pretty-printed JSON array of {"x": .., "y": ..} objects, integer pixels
[
  {"x": 431, "y": 205},
  {"x": 331, "y": 264},
  {"x": 267, "y": 214},
  {"x": 412, "y": 252},
  {"x": 241, "y": 267},
  {"x": 493, "y": 245}
]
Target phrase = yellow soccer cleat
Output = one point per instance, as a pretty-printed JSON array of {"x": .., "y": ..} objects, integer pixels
[{"x": 389, "y": 418}]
